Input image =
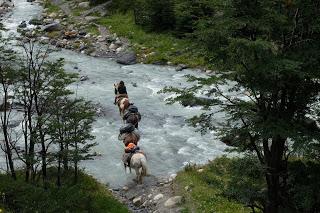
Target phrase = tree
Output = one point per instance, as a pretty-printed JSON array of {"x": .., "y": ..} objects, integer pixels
[
  {"x": 155, "y": 15},
  {"x": 270, "y": 50},
  {"x": 70, "y": 128},
  {"x": 188, "y": 13},
  {"x": 81, "y": 117},
  {"x": 7, "y": 78},
  {"x": 40, "y": 83}
]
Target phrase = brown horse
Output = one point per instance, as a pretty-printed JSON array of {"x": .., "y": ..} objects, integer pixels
[
  {"x": 123, "y": 103},
  {"x": 122, "y": 100}
]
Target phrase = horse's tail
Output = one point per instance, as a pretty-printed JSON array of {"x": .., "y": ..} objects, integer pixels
[{"x": 144, "y": 168}]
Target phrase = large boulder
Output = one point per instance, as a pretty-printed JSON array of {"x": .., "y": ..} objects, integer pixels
[
  {"x": 158, "y": 197},
  {"x": 127, "y": 58},
  {"x": 173, "y": 201},
  {"x": 55, "y": 26},
  {"x": 137, "y": 201}
]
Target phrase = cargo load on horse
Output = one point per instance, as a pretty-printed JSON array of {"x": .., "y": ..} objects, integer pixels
[
  {"x": 132, "y": 115},
  {"x": 129, "y": 136},
  {"x": 133, "y": 109},
  {"x": 127, "y": 129}
]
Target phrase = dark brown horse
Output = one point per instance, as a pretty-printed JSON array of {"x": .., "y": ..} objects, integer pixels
[{"x": 132, "y": 118}]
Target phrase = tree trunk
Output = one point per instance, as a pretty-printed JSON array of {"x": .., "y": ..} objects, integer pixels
[
  {"x": 6, "y": 134},
  {"x": 65, "y": 158},
  {"x": 274, "y": 161},
  {"x": 59, "y": 164}
]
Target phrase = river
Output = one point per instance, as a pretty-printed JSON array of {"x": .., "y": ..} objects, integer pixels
[{"x": 166, "y": 138}]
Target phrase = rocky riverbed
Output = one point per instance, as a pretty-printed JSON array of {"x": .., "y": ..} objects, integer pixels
[
  {"x": 62, "y": 30},
  {"x": 155, "y": 195},
  {"x": 5, "y": 7}
]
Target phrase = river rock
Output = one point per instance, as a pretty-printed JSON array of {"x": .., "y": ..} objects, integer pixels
[
  {"x": 82, "y": 33},
  {"x": 119, "y": 49},
  {"x": 91, "y": 18},
  {"x": 44, "y": 40},
  {"x": 113, "y": 46},
  {"x": 47, "y": 20},
  {"x": 173, "y": 201},
  {"x": 23, "y": 24},
  {"x": 127, "y": 58},
  {"x": 137, "y": 201},
  {"x": 55, "y": 26},
  {"x": 181, "y": 67},
  {"x": 84, "y": 78},
  {"x": 118, "y": 42},
  {"x": 172, "y": 177},
  {"x": 84, "y": 4},
  {"x": 82, "y": 47},
  {"x": 52, "y": 15},
  {"x": 158, "y": 197}
]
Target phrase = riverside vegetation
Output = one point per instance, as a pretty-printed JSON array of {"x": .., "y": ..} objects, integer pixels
[{"x": 46, "y": 133}]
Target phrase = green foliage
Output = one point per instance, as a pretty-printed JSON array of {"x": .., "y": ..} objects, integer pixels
[
  {"x": 234, "y": 181},
  {"x": 273, "y": 63},
  {"x": 207, "y": 190},
  {"x": 164, "y": 47},
  {"x": 86, "y": 196},
  {"x": 304, "y": 182},
  {"x": 189, "y": 13},
  {"x": 51, "y": 7}
]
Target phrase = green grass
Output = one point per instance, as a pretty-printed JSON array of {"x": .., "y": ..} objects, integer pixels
[
  {"x": 51, "y": 7},
  {"x": 207, "y": 188},
  {"x": 86, "y": 196},
  {"x": 77, "y": 11},
  {"x": 93, "y": 29},
  {"x": 159, "y": 47}
]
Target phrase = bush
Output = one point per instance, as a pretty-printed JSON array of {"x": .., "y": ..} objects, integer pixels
[{"x": 86, "y": 196}]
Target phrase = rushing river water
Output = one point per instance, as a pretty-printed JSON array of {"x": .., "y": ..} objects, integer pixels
[{"x": 166, "y": 138}]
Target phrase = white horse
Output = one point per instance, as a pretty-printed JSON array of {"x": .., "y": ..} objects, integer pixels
[{"x": 138, "y": 162}]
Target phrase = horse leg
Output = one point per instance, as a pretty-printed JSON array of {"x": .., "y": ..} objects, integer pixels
[
  {"x": 138, "y": 174},
  {"x": 125, "y": 168}
]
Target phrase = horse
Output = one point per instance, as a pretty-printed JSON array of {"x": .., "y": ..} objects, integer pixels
[
  {"x": 122, "y": 100},
  {"x": 138, "y": 162},
  {"x": 132, "y": 118},
  {"x": 123, "y": 104}
]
